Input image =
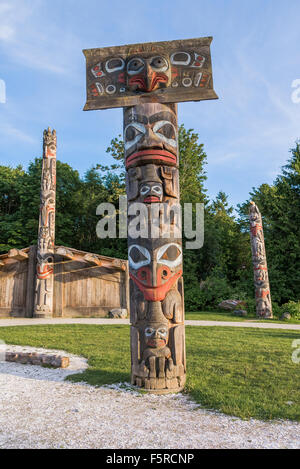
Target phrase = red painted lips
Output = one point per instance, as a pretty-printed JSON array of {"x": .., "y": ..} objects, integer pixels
[
  {"x": 146, "y": 156},
  {"x": 151, "y": 199},
  {"x": 156, "y": 343},
  {"x": 45, "y": 272},
  {"x": 156, "y": 292}
]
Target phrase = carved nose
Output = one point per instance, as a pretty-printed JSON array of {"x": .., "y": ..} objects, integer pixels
[
  {"x": 149, "y": 140},
  {"x": 149, "y": 77}
]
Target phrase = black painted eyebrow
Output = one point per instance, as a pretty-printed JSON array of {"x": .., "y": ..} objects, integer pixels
[
  {"x": 136, "y": 118},
  {"x": 163, "y": 116}
]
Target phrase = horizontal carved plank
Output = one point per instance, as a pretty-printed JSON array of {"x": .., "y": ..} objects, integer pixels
[{"x": 163, "y": 72}]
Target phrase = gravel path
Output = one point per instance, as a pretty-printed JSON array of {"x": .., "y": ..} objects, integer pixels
[
  {"x": 39, "y": 410},
  {"x": 34, "y": 321}
]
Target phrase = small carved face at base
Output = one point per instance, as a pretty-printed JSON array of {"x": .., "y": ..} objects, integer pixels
[
  {"x": 156, "y": 336},
  {"x": 151, "y": 192}
]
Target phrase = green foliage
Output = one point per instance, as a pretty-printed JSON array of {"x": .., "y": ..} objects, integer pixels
[
  {"x": 210, "y": 292},
  {"x": 192, "y": 159},
  {"x": 194, "y": 298},
  {"x": 276, "y": 308},
  {"x": 251, "y": 306},
  {"x": 292, "y": 307}
]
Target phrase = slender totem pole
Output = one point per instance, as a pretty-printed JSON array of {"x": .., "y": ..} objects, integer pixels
[
  {"x": 259, "y": 259},
  {"x": 43, "y": 304},
  {"x": 147, "y": 80}
]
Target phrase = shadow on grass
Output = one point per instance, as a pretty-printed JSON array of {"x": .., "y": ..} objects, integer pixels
[{"x": 100, "y": 377}]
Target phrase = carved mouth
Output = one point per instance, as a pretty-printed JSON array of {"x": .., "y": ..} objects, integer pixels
[
  {"x": 45, "y": 272},
  {"x": 140, "y": 82},
  {"x": 156, "y": 343},
  {"x": 151, "y": 199},
  {"x": 145, "y": 156},
  {"x": 158, "y": 293}
]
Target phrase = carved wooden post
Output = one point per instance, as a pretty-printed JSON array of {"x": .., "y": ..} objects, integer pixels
[
  {"x": 147, "y": 80},
  {"x": 261, "y": 278},
  {"x": 155, "y": 262},
  {"x": 43, "y": 305}
]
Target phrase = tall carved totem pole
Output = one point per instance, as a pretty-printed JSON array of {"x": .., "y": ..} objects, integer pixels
[
  {"x": 43, "y": 303},
  {"x": 147, "y": 80},
  {"x": 260, "y": 268}
]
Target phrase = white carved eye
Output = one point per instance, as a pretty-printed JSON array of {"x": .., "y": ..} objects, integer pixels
[
  {"x": 157, "y": 190},
  {"x": 170, "y": 255},
  {"x": 113, "y": 65},
  {"x": 135, "y": 65},
  {"x": 180, "y": 58},
  {"x": 166, "y": 131},
  {"x": 138, "y": 256},
  {"x": 110, "y": 89},
  {"x": 158, "y": 63},
  {"x": 149, "y": 331},
  {"x": 133, "y": 132},
  {"x": 144, "y": 190},
  {"x": 162, "y": 332}
]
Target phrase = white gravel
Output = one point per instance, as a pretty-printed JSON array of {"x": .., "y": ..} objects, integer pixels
[{"x": 39, "y": 410}]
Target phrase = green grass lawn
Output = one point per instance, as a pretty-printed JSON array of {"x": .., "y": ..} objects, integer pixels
[
  {"x": 242, "y": 372},
  {"x": 228, "y": 316}
]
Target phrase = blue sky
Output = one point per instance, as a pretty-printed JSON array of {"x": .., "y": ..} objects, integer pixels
[{"x": 247, "y": 133}]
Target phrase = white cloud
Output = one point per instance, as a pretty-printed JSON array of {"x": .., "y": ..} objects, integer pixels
[
  {"x": 7, "y": 130},
  {"x": 30, "y": 39},
  {"x": 6, "y": 32}
]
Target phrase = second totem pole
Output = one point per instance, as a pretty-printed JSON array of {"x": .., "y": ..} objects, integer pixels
[{"x": 147, "y": 80}]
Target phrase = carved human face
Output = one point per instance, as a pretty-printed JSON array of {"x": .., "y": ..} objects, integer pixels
[
  {"x": 50, "y": 150},
  {"x": 44, "y": 266},
  {"x": 151, "y": 192},
  {"x": 156, "y": 336},
  {"x": 155, "y": 271},
  {"x": 148, "y": 73},
  {"x": 150, "y": 135},
  {"x": 253, "y": 213}
]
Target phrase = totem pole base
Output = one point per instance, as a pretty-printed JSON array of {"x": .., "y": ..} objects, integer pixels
[
  {"x": 161, "y": 385},
  {"x": 43, "y": 316},
  {"x": 162, "y": 391}
]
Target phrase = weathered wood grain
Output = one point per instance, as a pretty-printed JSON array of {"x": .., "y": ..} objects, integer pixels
[{"x": 181, "y": 71}]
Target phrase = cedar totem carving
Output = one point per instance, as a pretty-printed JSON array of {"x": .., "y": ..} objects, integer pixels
[
  {"x": 261, "y": 278},
  {"x": 43, "y": 306},
  {"x": 147, "y": 80},
  {"x": 155, "y": 263}
]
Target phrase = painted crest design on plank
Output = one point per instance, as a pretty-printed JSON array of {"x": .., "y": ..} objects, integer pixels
[{"x": 165, "y": 72}]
